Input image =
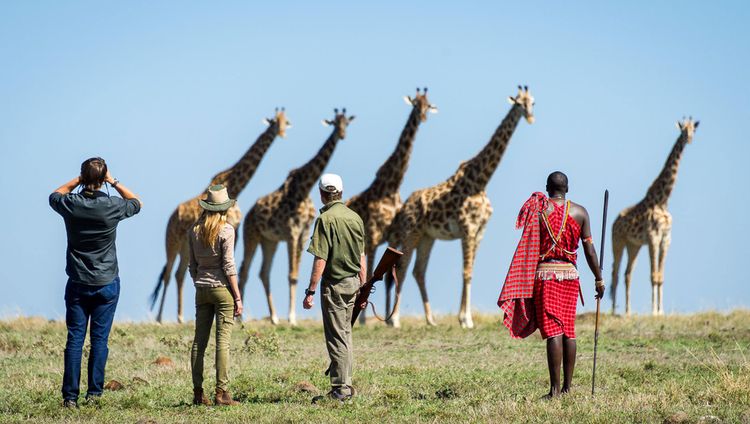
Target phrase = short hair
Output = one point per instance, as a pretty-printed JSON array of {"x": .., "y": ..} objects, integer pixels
[
  {"x": 557, "y": 181},
  {"x": 330, "y": 197},
  {"x": 93, "y": 172}
]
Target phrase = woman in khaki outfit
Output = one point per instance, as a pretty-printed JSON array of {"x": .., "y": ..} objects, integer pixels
[{"x": 216, "y": 292}]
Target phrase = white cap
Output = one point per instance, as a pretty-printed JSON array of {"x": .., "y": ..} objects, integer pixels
[{"x": 331, "y": 183}]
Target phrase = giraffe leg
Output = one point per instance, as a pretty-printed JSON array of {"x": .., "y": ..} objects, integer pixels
[
  {"x": 469, "y": 249},
  {"x": 294, "y": 250},
  {"x": 179, "y": 276},
  {"x": 250, "y": 245},
  {"x": 618, "y": 248},
  {"x": 420, "y": 270},
  {"x": 653, "y": 253},
  {"x": 665, "y": 242},
  {"x": 166, "y": 275},
  {"x": 632, "y": 256},
  {"x": 370, "y": 252},
  {"x": 268, "y": 249},
  {"x": 410, "y": 244}
]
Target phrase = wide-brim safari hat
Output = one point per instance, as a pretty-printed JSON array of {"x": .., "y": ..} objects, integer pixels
[{"x": 217, "y": 200}]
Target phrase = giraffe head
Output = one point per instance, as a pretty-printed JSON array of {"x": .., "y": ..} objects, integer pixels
[
  {"x": 280, "y": 120},
  {"x": 340, "y": 121},
  {"x": 421, "y": 104},
  {"x": 525, "y": 101},
  {"x": 688, "y": 127}
]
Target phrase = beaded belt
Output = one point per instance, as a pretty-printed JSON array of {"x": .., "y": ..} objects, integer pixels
[{"x": 556, "y": 270}]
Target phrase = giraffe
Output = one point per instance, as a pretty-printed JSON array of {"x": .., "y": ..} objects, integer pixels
[
  {"x": 457, "y": 208},
  {"x": 649, "y": 222},
  {"x": 286, "y": 215},
  {"x": 235, "y": 178},
  {"x": 377, "y": 205}
]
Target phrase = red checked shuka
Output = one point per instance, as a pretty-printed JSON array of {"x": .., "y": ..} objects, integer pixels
[
  {"x": 556, "y": 284},
  {"x": 541, "y": 288}
]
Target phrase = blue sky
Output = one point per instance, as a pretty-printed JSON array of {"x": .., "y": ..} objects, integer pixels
[{"x": 172, "y": 92}]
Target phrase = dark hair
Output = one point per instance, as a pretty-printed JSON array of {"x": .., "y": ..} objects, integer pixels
[
  {"x": 330, "y": 197},
  {"x": 557, "y": 181},
  {"x": 93, "y": 173}
]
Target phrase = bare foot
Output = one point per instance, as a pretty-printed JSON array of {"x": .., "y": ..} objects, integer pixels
[{"x": 551, "y": 395}]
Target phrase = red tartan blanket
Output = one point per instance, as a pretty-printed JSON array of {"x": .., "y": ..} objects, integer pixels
[{"x": 516, "y": 296}]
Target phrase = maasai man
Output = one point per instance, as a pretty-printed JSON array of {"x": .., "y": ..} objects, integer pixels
[{"x": 541, "y": 289}]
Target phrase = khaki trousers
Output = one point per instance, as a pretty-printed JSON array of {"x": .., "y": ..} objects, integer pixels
[
  {"x": 212, "y": 302},
  {"x": 337, "y": 304}
]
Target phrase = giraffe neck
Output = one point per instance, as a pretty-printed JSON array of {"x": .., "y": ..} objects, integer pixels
[
  {"x": 301, "y": 180},
  {"x": 237, "y": 177},
  {"x": 390, "y": 175},
  {"x": 660, "y": 190},
  {"x": 479, "y": 169}
]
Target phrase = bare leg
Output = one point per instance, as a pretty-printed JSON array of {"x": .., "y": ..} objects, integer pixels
[
  {"x": 420, "y": 269},
  {"x": 632, "y": 256},
  {"x": 618, "y": 247},
  {"x": 554, "y": 359},
  {"x": 569, "y": 362},
  {"x": 268, "y": 249}
]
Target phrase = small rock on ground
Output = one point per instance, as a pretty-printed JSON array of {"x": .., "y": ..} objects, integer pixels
[
  {"x": 163, "y": 361},
  {"x": 139, "y": 380},
  {"x": 306, "y": 387},
  {"x": 113, "y": 385}
]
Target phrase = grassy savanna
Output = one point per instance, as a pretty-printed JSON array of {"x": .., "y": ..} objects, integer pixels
[{"x": 681, "y": 368}]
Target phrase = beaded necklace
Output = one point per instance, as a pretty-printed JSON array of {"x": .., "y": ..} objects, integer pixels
[{"x": 556, "y": 240}]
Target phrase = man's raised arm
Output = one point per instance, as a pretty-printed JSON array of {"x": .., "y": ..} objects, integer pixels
[{"x": 590, "y": 252}]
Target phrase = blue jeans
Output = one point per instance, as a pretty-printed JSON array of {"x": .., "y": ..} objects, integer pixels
[{"x": 84, "y": 303}]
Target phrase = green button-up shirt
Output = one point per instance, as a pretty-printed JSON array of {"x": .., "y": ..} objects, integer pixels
[{"x": 339, "y": 239}]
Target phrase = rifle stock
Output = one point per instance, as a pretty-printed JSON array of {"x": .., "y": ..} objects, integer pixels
[{"x": 386, "y": 264}]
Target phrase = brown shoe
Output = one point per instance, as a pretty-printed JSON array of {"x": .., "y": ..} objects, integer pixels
[
  {"x": 199, "y": 398},
  {"x": 224, "y": 398}
]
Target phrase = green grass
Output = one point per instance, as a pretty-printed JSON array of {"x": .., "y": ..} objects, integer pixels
[{"x": 649, "y": 369}]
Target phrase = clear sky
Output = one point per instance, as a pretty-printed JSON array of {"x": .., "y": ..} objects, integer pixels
[{"x": 169, "y": 93}]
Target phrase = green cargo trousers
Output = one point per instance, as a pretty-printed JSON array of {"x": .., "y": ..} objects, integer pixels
[
  {"x": 337, "y": 304},
  {"x": 212, "y": 302}
]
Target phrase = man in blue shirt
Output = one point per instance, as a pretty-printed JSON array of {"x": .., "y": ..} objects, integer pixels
[{"x": 93, "y": 287}]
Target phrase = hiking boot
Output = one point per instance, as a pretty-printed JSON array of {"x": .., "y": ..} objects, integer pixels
[
  {"x": 199, "y": 398},
  {"x": 93, "y": 400},
  {"x": 69, "y": 403},
  {"x": 335, "y": 394},
  {"x": 224, "y": 398}
]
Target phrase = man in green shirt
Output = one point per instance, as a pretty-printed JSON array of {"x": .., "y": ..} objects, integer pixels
[{"x": 338, "y": 243}]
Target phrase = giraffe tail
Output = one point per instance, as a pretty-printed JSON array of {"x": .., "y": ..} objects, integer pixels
[{"x": 155, "y": 295}]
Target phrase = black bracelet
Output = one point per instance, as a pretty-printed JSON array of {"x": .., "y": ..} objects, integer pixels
[
  {"x": 309, "y": 292},
  {"x": 115, "y": 182}
]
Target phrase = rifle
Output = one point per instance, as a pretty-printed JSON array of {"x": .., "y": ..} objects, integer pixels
[{"x": 387, "y": 264}]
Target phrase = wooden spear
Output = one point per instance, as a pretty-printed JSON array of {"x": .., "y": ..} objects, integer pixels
[{"x": 598, "y": 300}]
